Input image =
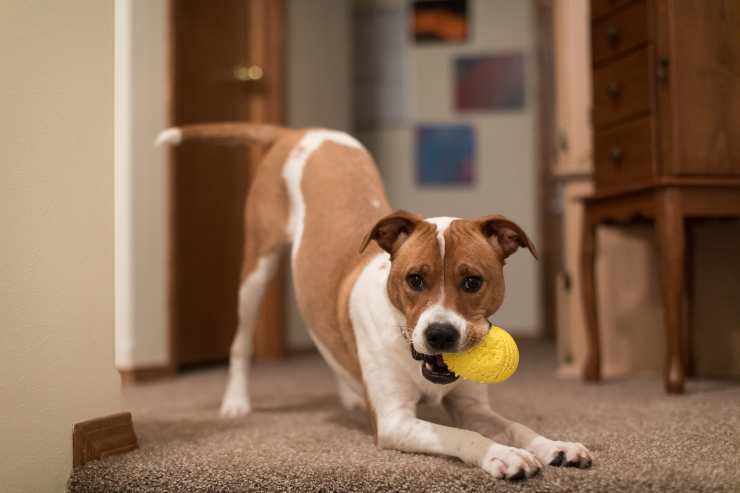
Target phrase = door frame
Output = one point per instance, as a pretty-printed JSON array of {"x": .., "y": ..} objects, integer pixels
[{"x": 549, "y": 225}]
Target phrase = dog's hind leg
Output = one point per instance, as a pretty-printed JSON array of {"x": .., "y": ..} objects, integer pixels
[
  {"x": 264, "y": 239},
  {"x": 236, "y": 399}
]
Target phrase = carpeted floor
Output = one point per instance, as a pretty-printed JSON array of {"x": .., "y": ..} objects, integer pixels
[{"x": 299, "y": 438}]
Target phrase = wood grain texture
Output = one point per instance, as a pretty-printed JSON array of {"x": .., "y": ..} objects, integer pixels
[
  {"x": 704, "y": 86},
  {"x": 103, "y": 437},
  {"x": 671, "y": 235},
  {"x": 592, "y": 366},
  {"x": 209, "y": 183}
]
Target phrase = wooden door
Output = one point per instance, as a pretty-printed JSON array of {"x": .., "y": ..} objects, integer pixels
[{"x": 226, "y": 65}]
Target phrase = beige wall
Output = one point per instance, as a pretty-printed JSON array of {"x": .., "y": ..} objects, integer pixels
[
  {"x": 506, "y": 144},
  {"x": 56, "y": 253}
]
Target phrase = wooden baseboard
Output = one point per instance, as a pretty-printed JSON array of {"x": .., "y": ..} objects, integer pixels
[
  {"x": 103, "y": 437},
  {"x": 145, "y": 374}
]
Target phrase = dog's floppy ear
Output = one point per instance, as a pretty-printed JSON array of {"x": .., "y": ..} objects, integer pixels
[
  {"x": 505, "y": 234},
  {"x": 392, "y": 230}
]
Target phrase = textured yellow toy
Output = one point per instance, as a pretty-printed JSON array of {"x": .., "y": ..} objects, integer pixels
[{"x": 493, "y": 360}]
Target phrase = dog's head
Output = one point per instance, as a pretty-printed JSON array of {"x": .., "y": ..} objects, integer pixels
[{"x": 446, "y": 278}]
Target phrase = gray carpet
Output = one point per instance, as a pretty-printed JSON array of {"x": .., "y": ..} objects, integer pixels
[{"x": 300, "y": 439}]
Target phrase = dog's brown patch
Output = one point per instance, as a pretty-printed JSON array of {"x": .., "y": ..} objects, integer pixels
[{"x": 344, "y": 197}]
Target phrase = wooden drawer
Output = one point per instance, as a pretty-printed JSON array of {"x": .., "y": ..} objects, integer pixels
[
  {"x": 622, "y": 89},
  {"x": 624, "y": 155},
  {"x": 619, "y": 33},
  {"x": 601, "y": 8}
]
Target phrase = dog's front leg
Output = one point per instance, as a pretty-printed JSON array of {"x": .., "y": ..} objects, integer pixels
[
  {"x": 399, "y": 428},
  {"x": 468, "y": 404}
]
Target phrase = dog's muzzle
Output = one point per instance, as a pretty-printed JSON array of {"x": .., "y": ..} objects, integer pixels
[{"x": 434, "y": 368}]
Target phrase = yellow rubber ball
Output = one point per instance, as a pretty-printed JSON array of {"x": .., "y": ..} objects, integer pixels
[{"x": 493, "y": 360}]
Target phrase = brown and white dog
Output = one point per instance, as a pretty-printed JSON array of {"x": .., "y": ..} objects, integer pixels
[{"x": 383, "y": 293}]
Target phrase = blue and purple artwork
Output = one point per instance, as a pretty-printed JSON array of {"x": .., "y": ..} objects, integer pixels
[
  {"x": 445, "y": 155},
  {"x": 489, "y": 82}
]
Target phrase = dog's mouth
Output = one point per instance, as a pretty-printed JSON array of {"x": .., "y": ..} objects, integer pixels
[{"x": 434, "y": 368}]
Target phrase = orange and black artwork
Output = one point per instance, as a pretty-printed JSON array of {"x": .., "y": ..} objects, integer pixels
[{"x": 439, "y": 20}]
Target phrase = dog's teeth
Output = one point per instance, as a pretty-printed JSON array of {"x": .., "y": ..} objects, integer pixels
[{"x": 427, "y": 365}]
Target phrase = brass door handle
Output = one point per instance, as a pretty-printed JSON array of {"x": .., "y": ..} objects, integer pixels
[{"x": 252, "y": 73}]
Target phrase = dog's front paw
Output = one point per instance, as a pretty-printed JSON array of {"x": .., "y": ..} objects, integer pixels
[
  {"x": 511, "y": 463},
  {"x": 555, "y": 453}
]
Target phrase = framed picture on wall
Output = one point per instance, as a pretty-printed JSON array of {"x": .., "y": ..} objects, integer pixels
[
  {"x": 445, "y": 155},
  {"x": 489, "y": 83},
  {"x": 439, "y": 21}
]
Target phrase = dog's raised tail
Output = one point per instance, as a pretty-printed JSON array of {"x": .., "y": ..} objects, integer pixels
[{"x": 226, "y": 133}]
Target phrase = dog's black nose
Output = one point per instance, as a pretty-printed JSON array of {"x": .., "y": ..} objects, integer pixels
[{"x": 441, "y": 336}]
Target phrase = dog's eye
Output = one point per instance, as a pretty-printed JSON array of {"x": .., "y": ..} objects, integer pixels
[
  {"x": 472, "y": 284},
  {"x": 415, "y": 282}
]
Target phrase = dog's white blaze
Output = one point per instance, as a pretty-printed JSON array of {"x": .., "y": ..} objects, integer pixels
[
  {"x": 442, "y": 224},
  {"x": 437, "y": 312},
  {"x": 293, "y": 174}
]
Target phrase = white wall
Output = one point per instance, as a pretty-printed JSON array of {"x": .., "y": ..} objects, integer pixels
[
  {"x": 141, "y": 189},
  {"x": 506, "y": 145},
  {"x": 56, "y": 253}
]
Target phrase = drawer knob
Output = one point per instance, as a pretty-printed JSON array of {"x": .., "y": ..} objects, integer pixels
[
  {"x": 616, "y": 155},
  {"x": 614, "y": 90},
  {"x": 612, "y": 34}
]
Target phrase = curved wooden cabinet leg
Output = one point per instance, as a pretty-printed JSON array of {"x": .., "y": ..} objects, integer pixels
[
  {"x": 671, "y": 234},
  {"x": 592, "y": 366}
]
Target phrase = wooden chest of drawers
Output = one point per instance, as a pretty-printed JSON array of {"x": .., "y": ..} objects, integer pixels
[
  {"x": 666, "y": 126},
  {"x": 666, "y": 102}
]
